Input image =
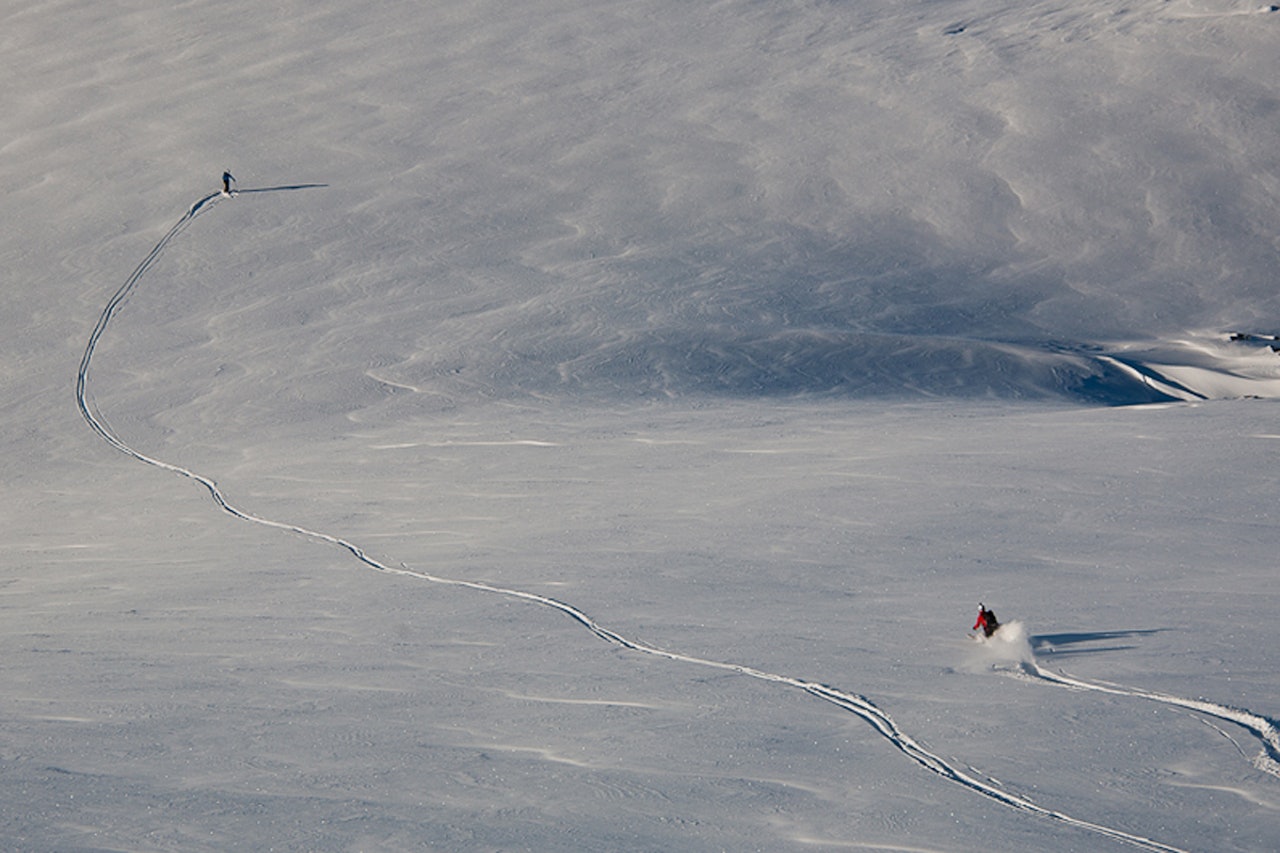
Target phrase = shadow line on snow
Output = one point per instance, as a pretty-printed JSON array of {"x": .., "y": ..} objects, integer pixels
[
  {"x": 1052, "y": 644},
  {"x": 282, "y": 189},
  {"x": 858, "y": 705}
]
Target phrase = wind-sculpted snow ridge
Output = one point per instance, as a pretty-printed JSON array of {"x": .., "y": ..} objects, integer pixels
[{"x": 855, "y": 704}]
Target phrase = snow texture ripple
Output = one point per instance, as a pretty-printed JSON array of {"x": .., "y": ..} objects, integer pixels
[{"x": 877, "y": 718}]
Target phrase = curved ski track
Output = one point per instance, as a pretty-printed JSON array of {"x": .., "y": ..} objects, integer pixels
[
  {"x": 1268, "y": 760},
  {"x": 850, "y": 702}
]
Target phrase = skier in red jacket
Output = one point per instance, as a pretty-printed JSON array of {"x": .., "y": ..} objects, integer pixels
[{"x": 986, "y": 621}]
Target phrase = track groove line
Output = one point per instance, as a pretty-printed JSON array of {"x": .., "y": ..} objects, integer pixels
[
  {"x": 1268, "y": 760},
  {"x": 849, "y": 702}
]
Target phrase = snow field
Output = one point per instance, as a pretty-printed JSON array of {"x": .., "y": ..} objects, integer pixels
[{"x": 754, "y": 336}]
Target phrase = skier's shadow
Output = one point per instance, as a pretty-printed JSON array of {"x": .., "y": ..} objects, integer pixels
[
  {"x": 282, "y": 189},
  {"x": 1053, "y": 644}
]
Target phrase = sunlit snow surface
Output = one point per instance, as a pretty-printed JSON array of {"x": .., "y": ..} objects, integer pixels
[{"x": 592, "y": 426}]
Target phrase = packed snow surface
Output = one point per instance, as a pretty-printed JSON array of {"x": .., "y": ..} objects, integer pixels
[{"x": 592, "y": 426}]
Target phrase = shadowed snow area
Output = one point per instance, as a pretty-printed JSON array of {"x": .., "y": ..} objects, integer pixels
[
  {"x": 968, "y": 199},
  {"x": 591, "y": 425}
]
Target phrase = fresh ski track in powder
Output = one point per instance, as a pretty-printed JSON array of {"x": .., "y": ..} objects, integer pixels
[{"x": 1268, "y": 761}]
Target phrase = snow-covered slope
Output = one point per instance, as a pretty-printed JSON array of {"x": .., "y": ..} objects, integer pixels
[{"x": 591, "y": 425}]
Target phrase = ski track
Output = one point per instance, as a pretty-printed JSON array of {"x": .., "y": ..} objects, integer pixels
[
  {"x": 1268, "y": 760},
  {"x": 849, "y": 702}
]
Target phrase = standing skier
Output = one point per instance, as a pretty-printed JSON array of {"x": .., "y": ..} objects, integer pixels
[
  {"x": 227, "y": 178},
  {"x": 986, "y": 621}
]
